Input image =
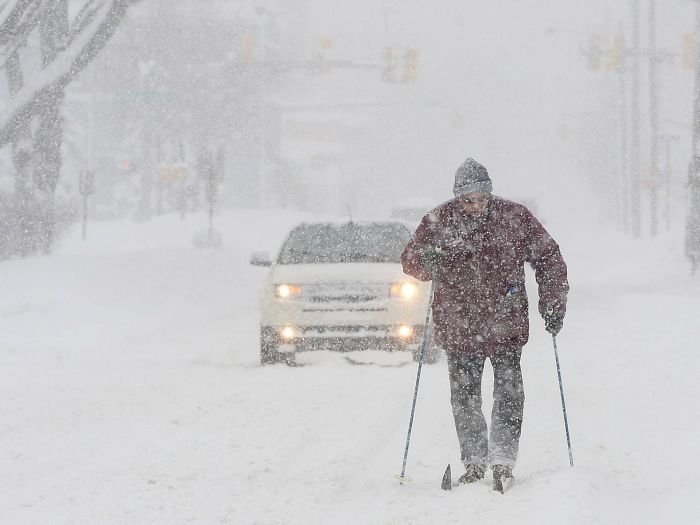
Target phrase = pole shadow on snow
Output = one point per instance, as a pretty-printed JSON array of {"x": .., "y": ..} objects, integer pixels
[{"x": 375, "y": 358}]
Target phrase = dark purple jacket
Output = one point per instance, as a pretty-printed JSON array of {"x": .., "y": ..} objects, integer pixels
[{"x": 480, "y": 304}]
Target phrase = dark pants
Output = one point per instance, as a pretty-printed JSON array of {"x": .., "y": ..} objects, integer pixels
[{"x": 478, "y": 447}]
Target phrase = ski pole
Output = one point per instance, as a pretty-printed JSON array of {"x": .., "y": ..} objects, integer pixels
[
  {"x": 563, "y": 403},
  {"x": 424, "y": 344}
]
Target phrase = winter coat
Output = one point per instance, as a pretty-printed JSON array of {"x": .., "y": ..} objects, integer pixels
[{"x": 480, "y": 304}]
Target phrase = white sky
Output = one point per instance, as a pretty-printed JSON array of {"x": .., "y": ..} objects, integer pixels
[
  {"x": 505, "y": 82},
  {"x": 513, "y": 73}
]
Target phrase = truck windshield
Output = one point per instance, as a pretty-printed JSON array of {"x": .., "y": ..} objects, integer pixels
[{"x": 342, "y": 243}]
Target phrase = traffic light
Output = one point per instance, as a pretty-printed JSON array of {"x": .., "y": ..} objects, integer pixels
[
  {"x": 325, "y": 43},
  {"x": 388, "y": 65},
  {"x": 322, "y": 45},
  {"x": 247, "y": 48},
  {"x": 410, "y": 67},
  {"x": 594, "y": 52},
  {"x": 86, "y": 183},
  {"x": 615, "y": 54}
]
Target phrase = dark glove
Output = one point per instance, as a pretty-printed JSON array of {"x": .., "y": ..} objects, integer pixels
[
  {"x": 553, "y": 321},
  {"x": 431, "y": 259}
]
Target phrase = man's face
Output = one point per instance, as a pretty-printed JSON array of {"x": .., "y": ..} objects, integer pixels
[{"x": 475, "y": 203}]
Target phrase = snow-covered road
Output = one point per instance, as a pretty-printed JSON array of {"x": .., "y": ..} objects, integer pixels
[{"x": 131, "y": 394}]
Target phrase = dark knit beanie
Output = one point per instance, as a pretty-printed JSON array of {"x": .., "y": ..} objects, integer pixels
[{"x": 471, "y": 177}]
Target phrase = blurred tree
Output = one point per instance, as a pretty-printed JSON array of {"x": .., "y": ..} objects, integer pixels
[{"x": 42, "y": 48}]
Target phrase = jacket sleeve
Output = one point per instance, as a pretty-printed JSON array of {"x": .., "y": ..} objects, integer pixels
[
  {"x": 550, "y": 269},
  {"x": 422, "y": 239}
]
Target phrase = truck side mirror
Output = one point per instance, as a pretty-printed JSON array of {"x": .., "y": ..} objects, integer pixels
[{"x": 260, "y": 259}]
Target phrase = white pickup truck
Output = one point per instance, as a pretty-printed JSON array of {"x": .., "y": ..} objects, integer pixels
[{"x": 341, "y": 286}]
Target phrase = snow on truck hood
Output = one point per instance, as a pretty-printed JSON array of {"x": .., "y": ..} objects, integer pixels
[{"x": 336, "y": 272}]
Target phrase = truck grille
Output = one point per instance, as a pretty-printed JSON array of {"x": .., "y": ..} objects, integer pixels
[{"x": 344, "y": 292}]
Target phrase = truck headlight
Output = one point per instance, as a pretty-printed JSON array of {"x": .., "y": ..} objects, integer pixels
[
  {"x": 405, "y": 290},
  {"x": 287, "y": 291},
  {"x": 404, "y": 331},
  {"x": 287, "y": 333}
]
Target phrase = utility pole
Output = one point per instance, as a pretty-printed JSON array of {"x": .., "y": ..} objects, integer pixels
[
  {"x": 692, "y": 244},
  {"x": 633, "y": 180},
  {"x": 86, "y": 188},
  {"x": 624, "y": 183},
  {"x": 665, "y": 141},
  {"x": 635, "y": 147},
  {"x": 653, "y": 121}
]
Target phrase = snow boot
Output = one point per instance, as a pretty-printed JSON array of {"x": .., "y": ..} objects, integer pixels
[
  {"x": 502, "y": 478},
  {"x": 473, "y": 473}
]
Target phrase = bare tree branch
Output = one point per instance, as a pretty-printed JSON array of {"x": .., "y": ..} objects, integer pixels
[
  {"x": 85, "y": 16},
  {"x": 98, "y": 21},
  {"x": 17, "y": 20}
]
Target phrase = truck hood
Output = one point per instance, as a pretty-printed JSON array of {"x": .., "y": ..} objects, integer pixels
[{"x": 338, "y": 272}]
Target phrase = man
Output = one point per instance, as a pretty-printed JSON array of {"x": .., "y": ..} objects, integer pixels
[{"x": 475, "y": 247}]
